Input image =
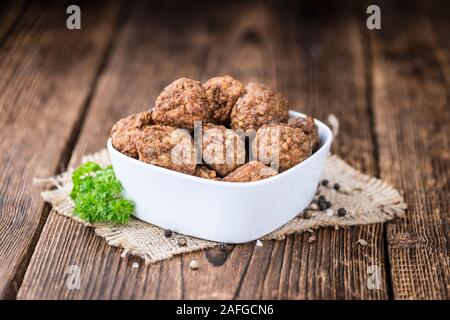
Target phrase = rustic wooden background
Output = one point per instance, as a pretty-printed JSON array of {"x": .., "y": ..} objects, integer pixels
[{"x": 61, "y": 91}]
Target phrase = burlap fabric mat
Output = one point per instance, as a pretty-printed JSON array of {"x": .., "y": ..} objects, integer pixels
[{"x": 367, "y": 200}]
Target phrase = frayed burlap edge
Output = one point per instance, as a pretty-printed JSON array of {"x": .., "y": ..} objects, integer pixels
[{"x": 367, "y": 200}]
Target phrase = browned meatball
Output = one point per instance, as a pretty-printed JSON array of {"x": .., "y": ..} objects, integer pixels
[
  {"x": 223, "y": 149},
  {"x": 127, "y": 131},
  {"x": 251, "y": 171},
  {"x": 167, "y": 147},
  {"x": 206, "y": 173},
  {"x": 281, "y": 145},
  {"x": 222, "y": 93},
  {"x": 309, "y": 128},
  {"x": 182, "y": 103},
  {"x": 259, "y": 106}
]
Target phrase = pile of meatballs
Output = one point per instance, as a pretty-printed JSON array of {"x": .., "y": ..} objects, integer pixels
[{"x": 225, "y": 112}]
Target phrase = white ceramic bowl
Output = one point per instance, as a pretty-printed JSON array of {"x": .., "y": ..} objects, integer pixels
[{"x": 221, "y": 211}]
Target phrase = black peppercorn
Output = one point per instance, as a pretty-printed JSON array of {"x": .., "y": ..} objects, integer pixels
[
  {"x": 321, "y": 198},
  {"x": 328, "y": 204},
  {"x": 341, "y": 212},
  {"x": 336, "y": 186},
  {"x": 167, "y": 233},
  {"x": 322, "y": 205},
  {"x": 325, "y": 182}
]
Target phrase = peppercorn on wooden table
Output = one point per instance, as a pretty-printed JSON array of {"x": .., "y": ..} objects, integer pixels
[{"x": 61, "y": 90}]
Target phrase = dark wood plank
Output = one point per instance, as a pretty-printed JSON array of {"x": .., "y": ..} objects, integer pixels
[
  {"x": 46, "y": 72},
  {"x": 319, "y": 75},
  {"x": 412, "y": 108}
]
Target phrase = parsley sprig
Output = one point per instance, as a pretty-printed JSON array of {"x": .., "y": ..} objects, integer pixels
[{"x": 98, "y": 195}]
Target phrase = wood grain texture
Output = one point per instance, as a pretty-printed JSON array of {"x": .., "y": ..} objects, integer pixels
[
  {"x": 273, "y": 44},
  {"x": 320, "y": 76},
  {"x": 412, "y": 116},
  {"x": 47, "y": 73},
  {"x": 161, "y": 50}
]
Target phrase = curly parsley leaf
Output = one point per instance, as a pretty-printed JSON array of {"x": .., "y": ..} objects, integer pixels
[{"x": 98, "y": 195}]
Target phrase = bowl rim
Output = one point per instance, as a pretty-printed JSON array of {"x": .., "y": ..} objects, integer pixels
[{"x": 327, "y": 134}]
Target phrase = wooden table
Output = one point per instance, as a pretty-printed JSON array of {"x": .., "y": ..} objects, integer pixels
[{"x": 61, "y": 91}]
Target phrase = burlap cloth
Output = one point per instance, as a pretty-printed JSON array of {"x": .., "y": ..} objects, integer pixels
[{"x": 367, "y": 200}]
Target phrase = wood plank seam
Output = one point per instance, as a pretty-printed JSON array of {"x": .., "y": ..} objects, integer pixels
[
  {"x": 291, "y": 257},
  {"x": 267, "y": 271},
  {"x": 368, "y": 60},
  {"x": 369, "y": 80},
  {"x": 16, "y": 281},
  {"x": 281, "y": 266},
  {"x": 158, "y": 285},
  {"x": 241, "y": 280}
]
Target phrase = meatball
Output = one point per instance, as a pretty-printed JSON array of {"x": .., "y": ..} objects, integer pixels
[
  {"x": 127, "y": 131},
  {"x": 206, "y": 173},
  {"x": 182, "y": 103},
  {"x": 259, "y": 106},
  {"x": 251, "y": 171},
  {"x": 223, "y": 149},
  {"x": 309, "y": 128},
  {"x": 167, "y": 147},
  {"x": 281, "y": 146},
  {"x": 222, "y": 93}
]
